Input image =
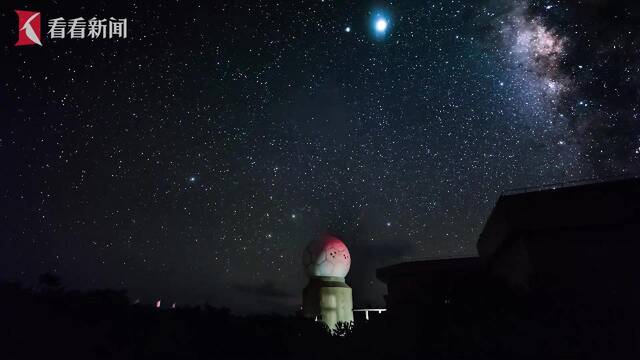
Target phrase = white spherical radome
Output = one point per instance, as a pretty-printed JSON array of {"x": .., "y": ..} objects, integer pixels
[{"x": 327, "y": 256}]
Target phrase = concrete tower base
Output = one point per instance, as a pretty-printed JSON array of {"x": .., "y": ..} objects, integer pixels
[{"x": 328, "y": 299}]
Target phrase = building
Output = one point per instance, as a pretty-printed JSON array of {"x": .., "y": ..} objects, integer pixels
[
  {"x": 327, "y": 297},
  {"x": 580, "y": 241},
  {"x": 557, "y": 276},
  {"x": 572, "y": 241},
  {"x": 414, "y": 285}
]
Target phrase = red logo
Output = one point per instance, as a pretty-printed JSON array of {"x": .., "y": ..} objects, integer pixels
[{"x": 28, "y": 28}]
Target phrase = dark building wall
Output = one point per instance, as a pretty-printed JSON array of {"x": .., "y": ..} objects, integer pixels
[
  {"x": 581, "y": 240},
  {"x": 598, "y": 262},
  {"x": 595, "y": 207},
  {"x": 415, "y": 285},
  {"x": 557, "y": 274}
]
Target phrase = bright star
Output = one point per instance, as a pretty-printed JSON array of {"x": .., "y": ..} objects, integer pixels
[
  {"x": 347, "y": 29},
  {"x": 381, "y": 25},
  {"x": 192, "y": 179}
]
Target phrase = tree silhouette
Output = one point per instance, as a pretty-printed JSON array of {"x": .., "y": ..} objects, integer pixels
[
  {"x": 49, "y": 282},
  {"x": 343, "y": 329}
]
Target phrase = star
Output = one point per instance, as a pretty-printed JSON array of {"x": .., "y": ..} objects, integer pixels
[
  {"x": 380, "y": 23},
  {"x": 292, "y": 140}
]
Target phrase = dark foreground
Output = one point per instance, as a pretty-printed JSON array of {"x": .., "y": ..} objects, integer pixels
[{"x": 53, "y": 323}]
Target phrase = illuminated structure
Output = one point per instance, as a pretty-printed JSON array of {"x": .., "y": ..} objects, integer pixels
[{"x": 327, "y": 297}]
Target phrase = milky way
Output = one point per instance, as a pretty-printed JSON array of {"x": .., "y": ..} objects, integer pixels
[
  {"x": 195, "y": 160},
  {"x": 584, "y": 57}
]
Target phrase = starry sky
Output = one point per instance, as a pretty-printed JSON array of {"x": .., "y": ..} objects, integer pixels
[{"x": 194, "y": 160}]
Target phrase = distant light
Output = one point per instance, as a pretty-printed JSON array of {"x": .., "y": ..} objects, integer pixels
[
  {"x": 158, "y": 304},
  {"x": 381, "y": 25},
  {"x": 192, "y": 179},
  {"x": 347, "y": 29}
]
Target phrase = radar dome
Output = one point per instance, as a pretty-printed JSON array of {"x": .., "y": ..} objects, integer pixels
[{"x": 327, "y": 256}]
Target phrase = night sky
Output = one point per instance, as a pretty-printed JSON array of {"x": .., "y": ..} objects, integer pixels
[{"x": 194, "y": 160}]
